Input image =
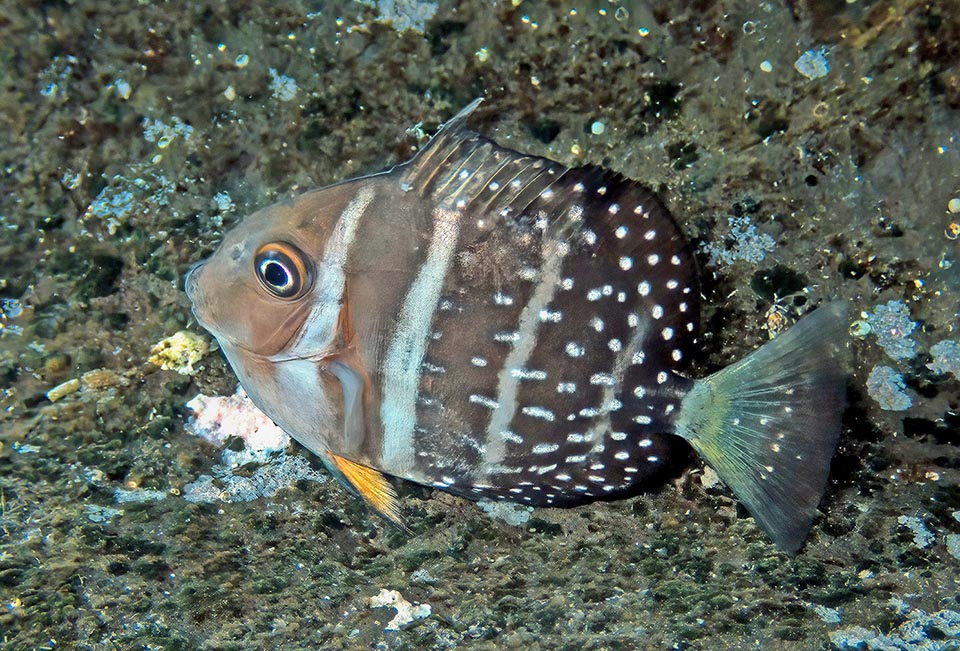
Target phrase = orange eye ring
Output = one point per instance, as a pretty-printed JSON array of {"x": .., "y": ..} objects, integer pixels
[{"x": 282, "y": 270}]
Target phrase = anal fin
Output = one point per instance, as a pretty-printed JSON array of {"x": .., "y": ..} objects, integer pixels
[{"x": 372, "y": 486}]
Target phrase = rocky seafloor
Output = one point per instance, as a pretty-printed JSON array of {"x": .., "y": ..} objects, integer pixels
[{"x": 809, "y": 149}]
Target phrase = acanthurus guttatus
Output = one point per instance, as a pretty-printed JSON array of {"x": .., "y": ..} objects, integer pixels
[{"x": 502, "y": 327}]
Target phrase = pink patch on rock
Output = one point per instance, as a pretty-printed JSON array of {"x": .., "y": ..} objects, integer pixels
[{"x": 217, "y": 417}]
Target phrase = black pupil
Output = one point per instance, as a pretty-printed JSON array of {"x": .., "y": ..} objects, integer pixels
[{"x": 275, "y": 274}]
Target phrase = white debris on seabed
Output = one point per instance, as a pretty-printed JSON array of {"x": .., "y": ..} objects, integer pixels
[
  {"x": 164, "y": 134},
  {"x": 215, "y": 418},
  {"x": 403, "y": 15},
  {"x": 513, "y": 514},
  {"x": 946, "y": 357},
  {"x": 892, "y": 326},
  {"x": 282, "y": 471},
  {"x": 952, "y": 542},
  {"x": 218, "y": 418},
  {"x": 406, "y": 612},
  {"x": 813, "y": 64},
  {"x": 742, "y": 243},
  {"x": 179, "y": 352},
  {"x": 139, "y": 495},
  {"x": 827, "y": 615},
  {"x": 282, "y": 87},
  {"x": 919, "y": 631},
  {"x": 922, "y": 537},
  {"x": 223, "y": 202},
  {"x": 888, "y": 388},
  {"x": 100, "y": 514}
]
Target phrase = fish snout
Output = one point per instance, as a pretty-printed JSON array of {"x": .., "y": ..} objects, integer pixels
[{"x": 191, "y": 281}]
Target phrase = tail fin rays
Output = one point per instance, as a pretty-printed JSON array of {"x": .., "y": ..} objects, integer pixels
[{"x": 769, "y": 423}]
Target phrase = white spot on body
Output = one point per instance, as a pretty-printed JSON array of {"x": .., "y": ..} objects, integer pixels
[
  {"x": 528, "y": 374},
  {"x": 479, "y": 362},
  {"x": 574, "y": 350},
  {"x": 483, "y": 401},
  {"x": 539, "y": 412},
  {"x": 626, "y": 263},
  {"x": 602, "y": 379},
  {"x": 529, "y": 273},
  {"x": 621, "y": 232},
  {"x": 511, "y": 437},
  {"x": 545, "y": 448}
]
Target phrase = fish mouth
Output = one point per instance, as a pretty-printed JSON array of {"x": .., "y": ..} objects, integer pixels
[
  {"x": 190, "y": 281},
  {"x": 191, "y": 285}
]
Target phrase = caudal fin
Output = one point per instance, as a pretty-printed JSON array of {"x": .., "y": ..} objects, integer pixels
[{"x": 769, "y": 423}]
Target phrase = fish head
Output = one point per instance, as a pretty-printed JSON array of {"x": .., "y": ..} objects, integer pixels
[
  {"x": 274, "y": 296},
  {"x": 259, "y": 288}
]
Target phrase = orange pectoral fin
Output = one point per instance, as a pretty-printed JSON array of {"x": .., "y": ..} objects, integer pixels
[{"x": 372, "y": 487}]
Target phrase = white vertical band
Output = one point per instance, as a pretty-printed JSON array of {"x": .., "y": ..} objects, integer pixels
[
  {"x": 508, "y": 382},
  {"x": 401, "y": 367},
  {"x": 319, "y": 328}
]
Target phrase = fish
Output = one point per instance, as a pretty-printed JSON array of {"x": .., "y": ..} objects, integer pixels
[{"x": 502, "y": 327}]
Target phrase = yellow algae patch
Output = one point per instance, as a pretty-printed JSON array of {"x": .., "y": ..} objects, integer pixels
[
  {"x": 102, "y": 378},
  {"x": 179, "y": 352}
]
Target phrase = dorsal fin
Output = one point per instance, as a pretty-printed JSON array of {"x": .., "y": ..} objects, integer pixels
[{"x": 460, "y": 169}]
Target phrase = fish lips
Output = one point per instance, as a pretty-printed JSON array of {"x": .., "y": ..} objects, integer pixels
[{"x": 191, "y": 285}]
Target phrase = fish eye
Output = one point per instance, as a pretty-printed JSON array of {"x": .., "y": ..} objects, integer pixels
[{"x": 282, "y": 269}]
